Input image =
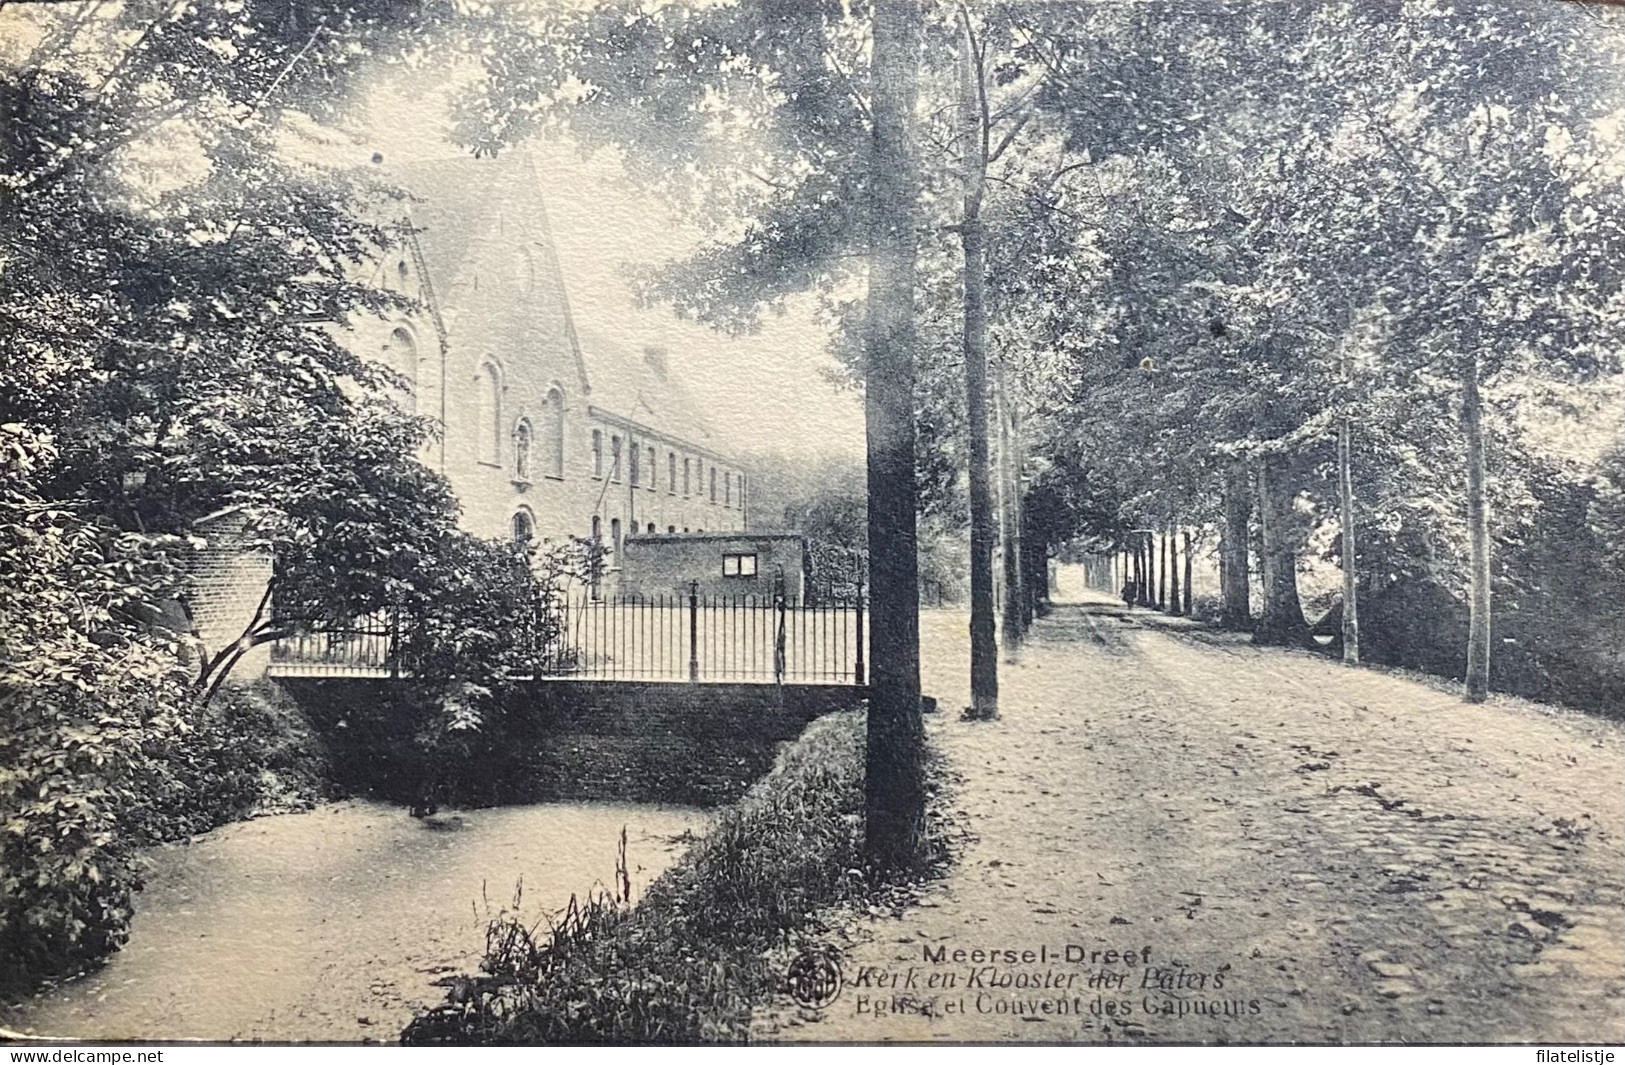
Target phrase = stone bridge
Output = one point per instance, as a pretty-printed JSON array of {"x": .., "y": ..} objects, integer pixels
[{"x": 691, "y": 744}]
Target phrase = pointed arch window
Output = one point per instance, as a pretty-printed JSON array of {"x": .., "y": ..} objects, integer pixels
[
  {"x": 402, "y": 357},
  {"x": 553, "y": 430},
  {"x": 489, "y": 425},
  {"x": 671, "y": 473}
]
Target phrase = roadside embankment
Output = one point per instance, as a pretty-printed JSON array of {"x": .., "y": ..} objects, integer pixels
[{"x": 688, "y": 963}]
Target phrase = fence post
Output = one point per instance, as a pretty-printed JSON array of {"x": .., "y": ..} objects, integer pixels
[
  {"x": 857, "y": 665},
  {"x": 394, "y": 650},
  {"x": 693, "y": 632},
  {"x": 778, "y": 634}
]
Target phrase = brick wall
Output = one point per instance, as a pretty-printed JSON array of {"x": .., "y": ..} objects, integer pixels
[{"x": 228, "y": 582}]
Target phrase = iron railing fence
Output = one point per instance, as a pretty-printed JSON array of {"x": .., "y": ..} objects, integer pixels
[
  {"x": 366, "y": 647},
  {"x": 765, "y": 639}
]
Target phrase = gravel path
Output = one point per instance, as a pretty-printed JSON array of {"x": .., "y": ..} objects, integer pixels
[
  {"x": 334, "y": 925},
  {"x": 1228, "y": 844}
]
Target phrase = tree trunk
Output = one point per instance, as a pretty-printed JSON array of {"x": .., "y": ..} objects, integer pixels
[
  {"x": 1162, "y": 574},
  {"x": 1150, "y": 539},
  {"x": 1351, "y": 591},
  {"x": 1139, "y": 569},
  {"x": 894, "y": 792},
  {"x": 1187, "y": 574},
  {"x": 1033, "y": 577},
  {"x": 1235, "y": 553},
  {"x": 984, "y": 654},
  {"x": 1009, "y": 536},
  {"x": 1173, "y": 572},
  {"x": 1478, "y": 538},
  {"x": 1035, "y": 572},
  {"x": 1282, "y": 622}
]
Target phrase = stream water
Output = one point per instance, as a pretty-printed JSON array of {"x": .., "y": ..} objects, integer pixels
[{"x": 333, "y": 925}]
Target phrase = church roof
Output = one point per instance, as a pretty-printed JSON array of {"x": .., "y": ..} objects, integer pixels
[
  {"x": 453, "y": 199},
  {"x": 638, "y": 383}
]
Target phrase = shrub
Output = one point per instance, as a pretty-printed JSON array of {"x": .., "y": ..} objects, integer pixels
[
  {"x": 687, "y": 964},
  {"x": 82, "y": 694},
  {"x": 102, "y": 747},
  {"x": 248, "y": 752}
]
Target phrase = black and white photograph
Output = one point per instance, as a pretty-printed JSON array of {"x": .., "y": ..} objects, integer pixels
[{"x": 651, "y": 523}]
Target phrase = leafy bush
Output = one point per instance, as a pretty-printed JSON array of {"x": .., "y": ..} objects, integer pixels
[
  {"x": 483, "y": 614},
  {"x": 102, "y": 747},
  {"x": 83, "y": 692},
  {"x": 247, "y": 753},
  {"x": 687, "y": 964}
]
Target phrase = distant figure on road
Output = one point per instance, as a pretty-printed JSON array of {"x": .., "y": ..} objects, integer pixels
[{"x": 1128, "y": 596}]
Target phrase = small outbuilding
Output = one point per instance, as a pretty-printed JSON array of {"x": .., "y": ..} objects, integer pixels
[{"x": 720, "y": 564}]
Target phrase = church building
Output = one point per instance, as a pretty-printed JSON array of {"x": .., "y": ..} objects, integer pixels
[{"x": 548, "y": 432}]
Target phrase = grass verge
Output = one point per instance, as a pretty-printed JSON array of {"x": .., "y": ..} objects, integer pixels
[{"x": 689, "y": 962}]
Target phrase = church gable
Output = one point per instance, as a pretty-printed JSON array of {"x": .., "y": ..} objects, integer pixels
[
  {"x": 488, "y": 254},
  {"x": 543, "y": 436}
]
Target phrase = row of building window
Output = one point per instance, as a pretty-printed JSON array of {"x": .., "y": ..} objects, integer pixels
[
  {"x": 642, "y": 463},
  {"x": 642, "y": 470},
  {"x": 524, "y": 528}
]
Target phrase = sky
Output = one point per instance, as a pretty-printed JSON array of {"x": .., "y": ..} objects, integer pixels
[{"x": 764, "y": 392}]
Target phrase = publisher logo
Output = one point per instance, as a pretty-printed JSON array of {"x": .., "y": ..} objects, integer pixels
[{"x": 815, "y": 977}]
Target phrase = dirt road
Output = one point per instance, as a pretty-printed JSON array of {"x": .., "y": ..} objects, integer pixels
[
  {"x": 1181, "y": 838},
  {"x": 334, "y": 925}
]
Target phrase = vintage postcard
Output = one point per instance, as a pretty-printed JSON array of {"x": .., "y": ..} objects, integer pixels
[{"x": 558, "y": 522}]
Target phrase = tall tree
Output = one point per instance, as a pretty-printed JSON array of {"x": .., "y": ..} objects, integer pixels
[
  {"x": 974, "y": 148},
  {"x": 894, "y": 798},
  {"x": 786, "y": 133}
]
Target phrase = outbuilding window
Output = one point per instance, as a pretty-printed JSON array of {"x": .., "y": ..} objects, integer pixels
[{"x": 738, "y": 565}]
